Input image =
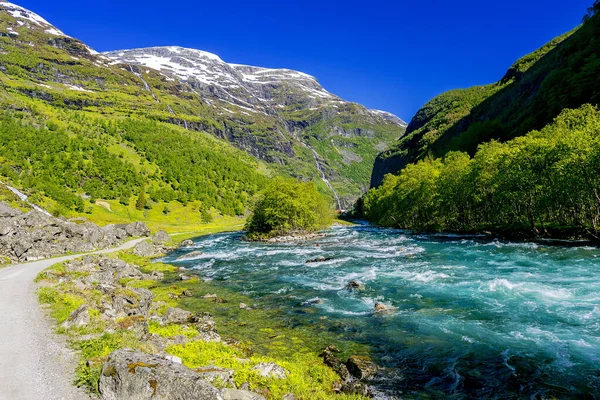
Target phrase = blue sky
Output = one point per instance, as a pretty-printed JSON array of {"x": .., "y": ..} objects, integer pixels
[{"x": 390, "y": 55}]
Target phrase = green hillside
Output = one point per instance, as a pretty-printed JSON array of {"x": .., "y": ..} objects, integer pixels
[{"x": 562, "y": 74}]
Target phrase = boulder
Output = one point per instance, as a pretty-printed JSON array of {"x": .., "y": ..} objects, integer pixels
[
  {"x": 132, "y": 375},
  {"x": 161, "y": 237},
  {"x": 190, "y": 256},
  {"x": 137, "y": 229},
  {"x": 144, "y": 249},
  {"x": 319, "y": 260},
  {"x": 187, "y": 243},
  {"x": 233, "y": 394},
  {"x": 333, "y": 362},
  {"x": 245, "y": 307},
  {"x": 78, "y": 318},
  {"x": 355, "y": 285},
  {"x": 7, "y": 211},
  {"x": 175, "y": 359},
  {"x": 135, "y": 303},
  {"x": 381, "y": 308},
  {"x": 271, "y": 370},
  {"x": 290, "y": 396},
  {"x": 178, "y": 316},
  {"x": 361, "y": 367},
  {"x": 185, "y": 277},
  {"x": 217, "y": 376}
]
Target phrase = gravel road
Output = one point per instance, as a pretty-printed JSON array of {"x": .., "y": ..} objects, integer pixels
[{"x": 35, "y": 364}]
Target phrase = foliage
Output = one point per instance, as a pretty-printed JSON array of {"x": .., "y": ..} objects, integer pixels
[
  {"x": 536, "y": 88},
  {"x": 140, "y": 203},
  {"x": 288, "y": 206},
  {"x": 593, "y": 10},
  {"x": 266, "y": 336},
  {"x": 548, "y": 178}
]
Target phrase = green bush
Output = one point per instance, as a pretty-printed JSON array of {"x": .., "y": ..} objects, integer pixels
[{"x": 288, "y": 206}]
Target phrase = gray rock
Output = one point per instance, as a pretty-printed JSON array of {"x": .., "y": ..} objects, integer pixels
[
  {"x": 289, "y": 396},
  {"x": 8, "y": 211},
  {"x": 132, "y": 375},
  {"x": 381, "y": 308},
  {"x": 78, "y": 318},
  {"x": 217, "y": 376},
  {"x": 187, "y": 243},
  {"x": 137, "y": 303},
  {"x": 178, "y": 316},
  {"x": 233, "y": 394},
  {"x": 271, "y": 370},
  {"x": 189, "y": 256},
  {"x": 137, "y": 229},
  {"x": 185, "y": 277},
  {"x": 144, "y": 249},
  {"x": 175, "y": 359},
  {"x": 36, "y": 235},
  {"x": 355, "y": 285},
  {"x": 161, "y": 237}
]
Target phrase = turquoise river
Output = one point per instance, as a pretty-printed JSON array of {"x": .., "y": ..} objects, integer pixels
[{"x": 476, "y": 317}]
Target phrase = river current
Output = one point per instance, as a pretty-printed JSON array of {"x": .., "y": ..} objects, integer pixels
[{"x": 476, "y": 318}]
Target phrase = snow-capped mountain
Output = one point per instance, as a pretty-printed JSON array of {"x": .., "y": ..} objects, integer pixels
[
  {"x": 25, "y": 17},
  {"x": 282, "y": 117},
  {"x": 254, "y": 89}
]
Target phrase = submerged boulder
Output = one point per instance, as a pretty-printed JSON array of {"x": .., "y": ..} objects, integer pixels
[
  {"x": 355, "y": 285},
  {"x": 132, "y": 375},
  {"x": 381, "y": 308}
]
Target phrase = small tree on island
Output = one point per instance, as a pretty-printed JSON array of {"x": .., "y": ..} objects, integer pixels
[{"x": 287, "y": 206}]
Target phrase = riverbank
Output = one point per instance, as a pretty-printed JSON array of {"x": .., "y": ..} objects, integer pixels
[
  {"x": 238, "y": 336},
  {"x": 34, "y": 362}
]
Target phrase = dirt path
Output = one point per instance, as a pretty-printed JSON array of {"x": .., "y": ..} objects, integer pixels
[{"x": 34, "y": 362}]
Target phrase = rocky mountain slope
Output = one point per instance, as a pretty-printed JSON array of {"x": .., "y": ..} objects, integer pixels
[
  {"x": 281, "y": 117},
  {"x": 536, "y": 88}
]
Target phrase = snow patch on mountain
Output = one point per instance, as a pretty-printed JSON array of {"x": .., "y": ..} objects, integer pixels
[
  {"x": 250, "y": 88},
  {"x": 21, "y": 14}
]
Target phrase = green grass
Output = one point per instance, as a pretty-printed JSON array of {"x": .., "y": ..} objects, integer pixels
[
  {"x": 181, "y": 219},
  {"x": 262, "y": 333}
]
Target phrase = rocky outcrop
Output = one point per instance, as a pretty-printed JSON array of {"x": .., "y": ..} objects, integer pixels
[
  {"x": 132, "y": 375},
  {"x": 34, "y": 235},
  {"x": 234, "y": 394},
  {"x": 353, "y": 373},
  {"x": 161, "y": 243}
]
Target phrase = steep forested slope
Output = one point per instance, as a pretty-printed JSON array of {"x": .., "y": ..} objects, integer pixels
[
  {"x": 562, "y": 74},
  {"x": 284, "y": 119}
]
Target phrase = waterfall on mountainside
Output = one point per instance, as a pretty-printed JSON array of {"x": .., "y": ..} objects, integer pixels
[{"x": 323, "y": 176}]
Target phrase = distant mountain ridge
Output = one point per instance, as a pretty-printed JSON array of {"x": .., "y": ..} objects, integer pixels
[{"x": 280, "y": 116}]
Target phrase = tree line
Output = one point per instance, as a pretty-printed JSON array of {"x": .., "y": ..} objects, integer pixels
[{"x": 548, "y": 179}]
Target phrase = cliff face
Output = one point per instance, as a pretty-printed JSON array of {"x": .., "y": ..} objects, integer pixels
[{"x": 561, "y": 74}]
